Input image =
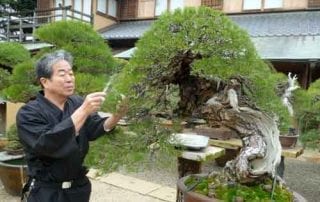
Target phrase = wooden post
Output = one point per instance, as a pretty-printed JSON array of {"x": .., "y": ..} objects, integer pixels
[
  {"x": 8, "y": 27},
  {"x": 20, "y": 29},
  {"x": 34, "y": 24}
]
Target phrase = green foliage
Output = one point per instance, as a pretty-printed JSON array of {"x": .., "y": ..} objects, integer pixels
[
  {"x": 88, "y": 83},
  {"x": 12, "y": 53},
  {"x": 13, "y": 139},
  {"x": 4, "y": 78},
  {"x": 22, "y": 85},
  {"x": 91, "y": 54},
  {"x": 218, "y": 49},
  {"x": 306, "y": 106},
  {"x": 121, "y": 149},
  {"x": 247, "y": 193}
]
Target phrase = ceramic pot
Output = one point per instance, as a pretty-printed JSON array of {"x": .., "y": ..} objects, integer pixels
[
  {"x": 13, "y": 175},
  {"x": 288, "y": 141},
  {"x": 188, "y": 196}
]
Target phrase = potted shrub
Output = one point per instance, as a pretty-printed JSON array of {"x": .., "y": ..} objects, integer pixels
[
  {"x": 12, "y": 164},
  {"x": 289, "y": 137}
]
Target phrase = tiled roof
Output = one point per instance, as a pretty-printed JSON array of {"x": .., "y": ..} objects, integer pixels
[
  {"x": 127, "y": 30},
  {"x": 280, "y": 24},
  {"x": 302, "y": 23}
]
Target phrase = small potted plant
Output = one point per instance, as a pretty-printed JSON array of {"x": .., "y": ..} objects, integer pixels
[{"x": 289, "y": 138}]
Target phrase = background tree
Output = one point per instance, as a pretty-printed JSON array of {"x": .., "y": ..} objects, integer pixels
[
  {"x": 306, "y": 106},
  {"x": 93, "y": 59},
  {"x": 20, "y": 6}
]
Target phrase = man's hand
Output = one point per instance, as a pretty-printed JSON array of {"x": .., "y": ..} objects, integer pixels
[
  {"x": 122, "y": 107},
  {"x": 93, "y": 102}
]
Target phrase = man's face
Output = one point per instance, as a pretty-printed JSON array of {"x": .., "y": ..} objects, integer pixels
[{"x": 61, "y": 83}]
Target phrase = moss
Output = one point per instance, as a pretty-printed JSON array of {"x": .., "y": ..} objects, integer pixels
[{"x": 247, "y": 193}]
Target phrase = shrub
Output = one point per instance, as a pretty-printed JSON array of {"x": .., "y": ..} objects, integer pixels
[
  {"x": 91, "y": 54},
  {"x": 12, "y": 53},
  {"x": 306, "y": 105}
]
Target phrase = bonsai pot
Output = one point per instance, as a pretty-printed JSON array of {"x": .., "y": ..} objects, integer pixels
[
  {"x": 13, "y": 175},
  {"x": 190, "y": 196},
  {"x": 288, "y": 141}
]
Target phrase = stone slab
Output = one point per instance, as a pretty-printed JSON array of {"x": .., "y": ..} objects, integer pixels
[
  {"x": 165, "y": 193},
  {"x": 210, "y": 152},
  {"x": 103, "y": 192},
  {"x": 129, "y": 183}
]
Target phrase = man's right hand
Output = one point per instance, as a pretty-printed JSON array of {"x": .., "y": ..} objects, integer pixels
[{"x": 93, "y": 102}]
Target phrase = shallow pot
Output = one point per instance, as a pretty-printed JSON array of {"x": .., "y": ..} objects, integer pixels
[
  {"x": 288, "y": 141},
  {"x": 13, "y": 175},
  {"x": 189, "y": 196}
]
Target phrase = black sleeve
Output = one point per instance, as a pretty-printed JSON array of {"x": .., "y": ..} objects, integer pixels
[
  {"x": 94, "y": 126},
  {"x": 44, "y": 138}
]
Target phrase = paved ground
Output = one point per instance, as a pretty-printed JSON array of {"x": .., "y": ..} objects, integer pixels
[
  {"x": 116, "y": 187},
  {"x": 158, "y": 185}
]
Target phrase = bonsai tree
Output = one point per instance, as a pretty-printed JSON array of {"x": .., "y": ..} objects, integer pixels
[
  {"x": 17, "y": 77},
  {"x": 13, "y": 145},
  {"x": 197, "y": 63}
]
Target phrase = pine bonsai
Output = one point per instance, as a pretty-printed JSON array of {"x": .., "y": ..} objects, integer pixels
[{"x": 196, "y": 63}]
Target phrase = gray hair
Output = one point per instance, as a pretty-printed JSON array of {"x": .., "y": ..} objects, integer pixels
[{"x": 44, "y": 64}]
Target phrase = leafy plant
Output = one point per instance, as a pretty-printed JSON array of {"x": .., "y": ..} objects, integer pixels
[{"x": 13, "y": 140}]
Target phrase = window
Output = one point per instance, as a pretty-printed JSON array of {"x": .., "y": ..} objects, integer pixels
[
  {"x": 272, "y": 3},
  {"x": 102, "y": 6},
  {"x": 252, "y": 4},
  {"x": 164, "y": 5},
  {"x": 174, "y": 4},
  {"x": 261, "y": 4},
  {"x": 161, "y": 6},
  {"x": 112, "y": 8},
  {"x": 128, "y": 9},
  {"x": 108, "y": 7},
  {"x": 82, "y": 6}
]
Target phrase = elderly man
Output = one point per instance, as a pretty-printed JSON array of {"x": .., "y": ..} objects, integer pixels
[{"x": 55, "y": 130}]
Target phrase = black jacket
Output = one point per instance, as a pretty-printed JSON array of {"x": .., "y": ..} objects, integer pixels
[{"x": 53, "y": 152}]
